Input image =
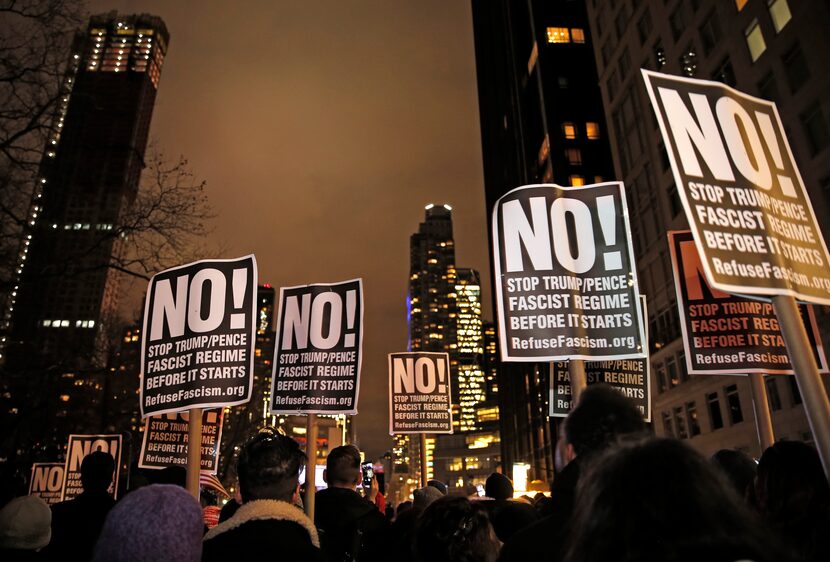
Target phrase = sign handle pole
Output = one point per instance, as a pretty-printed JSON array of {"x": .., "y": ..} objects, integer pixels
[
  {"x": 576, "y": 370},
  {"x": 423, "y": 460},
  {"x": 810, "y": 385},
  {"x": 760, "y": 405},
  {"x": 194, "y": 450},
  {"x": 311, "y": 464}
]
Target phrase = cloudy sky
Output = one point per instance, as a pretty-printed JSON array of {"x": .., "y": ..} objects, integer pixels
[{"x": 322, "y": 129}]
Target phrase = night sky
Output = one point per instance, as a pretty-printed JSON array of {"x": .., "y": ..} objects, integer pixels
[{"x": 322, "y": 129}]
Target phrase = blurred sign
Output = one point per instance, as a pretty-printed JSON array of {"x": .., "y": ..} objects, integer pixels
[
  {"x": 47, "y": 481},
  {"x": 165, "y": 440},
  {"x": 79, "y": 447}
]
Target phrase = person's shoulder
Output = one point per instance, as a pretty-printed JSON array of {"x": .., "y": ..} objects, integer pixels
[{"x": 532, "y": 542}]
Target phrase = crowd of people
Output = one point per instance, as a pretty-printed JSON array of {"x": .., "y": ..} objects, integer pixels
[{"x": 620, "y": 495}]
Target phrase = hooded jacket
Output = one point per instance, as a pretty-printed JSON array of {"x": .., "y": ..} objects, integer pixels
[
  {"x": 263, "y": 529},
  {"x": 351, "y": 527}
]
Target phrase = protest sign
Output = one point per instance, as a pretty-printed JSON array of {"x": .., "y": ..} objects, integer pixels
[
  {"x": 197, "y": 346},
  {"x": 318, "y": 349},
  {"x": 47, "y": 481},
  {"x": 566, "y": 284},
  {"x": 727, "y": 334},
  {"x": 631, "y": 377},
  {"x": 79, "y": 447},
  {"x": 751, "y": 217},
  {"x": 165, "y": 441},
  {"x": 419, "y": 393}
]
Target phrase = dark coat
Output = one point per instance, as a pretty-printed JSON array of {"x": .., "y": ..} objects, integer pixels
[
  {"x": 545, "y": 540},
  {"x": 76, "y": 524},
  {"x": 263, "y": 530},
  {"x": 350, "y": 524}
]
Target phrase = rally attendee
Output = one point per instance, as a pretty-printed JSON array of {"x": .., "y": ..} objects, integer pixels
[
  {"x": 351, "y": 527},
  {"x": 77, "y": 523},
  {"x": 267, "y": 525},
  {"x": 599, "y": 419},
  {"x": 658, "y": 499},
  {"x": 25, "y": 528},
  {"x": 793, "y": 498},
  {"x": 738, "y": 468},
  {"x": 506, "y": 515},
  {"x": 156, "y": 522},
  {"x": 454, "y": 529}
]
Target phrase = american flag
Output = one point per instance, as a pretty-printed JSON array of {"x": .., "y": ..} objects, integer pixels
[{"x": 210, "y": 481}]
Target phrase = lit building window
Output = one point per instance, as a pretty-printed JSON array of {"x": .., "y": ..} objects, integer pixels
[
  {"x": 779, "y": 11},
  {"x": 577, "y": 35},
  {"x": 688, "y": 62},
  {"x": 598, "y": 179},
  {"x": 544, "y": 150},
  {"x": 569, "y": 130},
  {"x": 577, "y": 181},
  {"x": 740, "y": 4},
  {"x": 574, "y": 156},
  {"x": 559, "y": 35},
  {"x": 755, "y": 40},
  {"x": 592, "y": 130}
]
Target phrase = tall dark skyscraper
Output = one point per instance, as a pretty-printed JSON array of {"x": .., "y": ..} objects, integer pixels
[
  {"x": 62, "y": 319},
  {"x": 541, "y": 121}
]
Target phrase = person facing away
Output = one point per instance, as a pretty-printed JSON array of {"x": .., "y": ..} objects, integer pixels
[
  {"x": 267, "y": 525},
  {"x": 658, "y": 499},
  {"x": 601, "y": 416},
  {"x": 351, "y": 526},
  {"x": 793, "y": 498},
  {"x": 76, "y": 523},
  {"x": 454, "y": 529},
  {"x": 507, "y": 516},
  {"x": 25, "y": 528}
]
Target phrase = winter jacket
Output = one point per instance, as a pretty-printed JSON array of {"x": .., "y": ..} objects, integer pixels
[
  {"x": 76, "y": 525},
  {"x": 263, "y": 530},
  {"x": 351, "y": 527}
]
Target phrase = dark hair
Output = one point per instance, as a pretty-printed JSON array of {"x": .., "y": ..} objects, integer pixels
[
  {"x": 269, "y": 467},
  {"x": 454, "y": 529},
  {"x": 498, "y": 486},
  {"x": 96, "y": 471},
  {"x": 657, "y": 499},
  {"x": 343, "y": 465},
  {"x": 738, "y": 468},
  {"x": 600, "y": 417}
]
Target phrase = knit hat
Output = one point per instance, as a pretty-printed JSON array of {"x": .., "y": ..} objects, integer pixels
[
  {"x": 25, "y": 524},
  {"x": 156, "y": 522},
  {"x": 425, "y": 496},
  {"x": 498, "y": 486}
]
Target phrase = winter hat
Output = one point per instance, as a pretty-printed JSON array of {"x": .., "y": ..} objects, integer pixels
[
  {"x": 439, "y": 485},
  {"x": 498, "y": 486},
  {"x": 425, "y": 496},
  {"x": 156, "y": 522},
  {"x": 25, "y": 524}
]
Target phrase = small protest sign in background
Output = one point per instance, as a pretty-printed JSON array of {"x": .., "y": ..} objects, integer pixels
[
  {"x": 566, "y": 285},
  {"x": 80, "y": 446},
  {"x": 165, "y": 441},
  {"x": 47, "y": 481},
  {"x": 419, "y": 393},
  {"x": 631, "y": 377},
  {"x": 741, "y": 189},
  {"x": 318, "y": 349},
  {"x": 727, "y": 334},
  {"x": 197, "y": 346}
]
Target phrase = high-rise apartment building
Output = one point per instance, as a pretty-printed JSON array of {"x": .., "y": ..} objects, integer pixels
[
  {"x": 65, "y": 294},
  {"x": 773, "y": 49},
  {"x": 541, "y": 121}
]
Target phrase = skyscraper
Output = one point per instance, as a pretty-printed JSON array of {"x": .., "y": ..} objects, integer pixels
[
  {"x": 66, "y": 293},
  {"x": 541, "y": 121},
  {"x": 774, "y": 49}
]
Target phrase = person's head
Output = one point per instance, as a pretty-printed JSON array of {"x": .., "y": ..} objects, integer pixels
[
  {"x": 423, "y": 497},
  {"x": 657, "y": 499},
  {"x": 791, "y": 485},
  {"x": 498, "y": 486},
  {"x": 343, "y": 467},
  {"x": 600, "y": 417},
  {"x": 96, "y": 471},
  {"x": 738, "y": 468},
  {"x": 156, "y": 522},
  {"x": 453, "y": 528},
  {"x": 269, "y": 467},
  {"x": 25, "y": 524},
  {"x": 438, "y": 485}
]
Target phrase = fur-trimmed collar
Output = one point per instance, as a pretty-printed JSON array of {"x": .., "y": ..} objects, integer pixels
[{"x": 266, "y": 509}]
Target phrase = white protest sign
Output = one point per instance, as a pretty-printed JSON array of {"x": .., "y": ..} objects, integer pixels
[
  {"x": 47, "y": 481},
  {"x": 419, "y": 393},
  {"x": 164, "y": 441},
  {"x": 566, "y": 284},
  {"x": 78, "y": 448},
  {"x": 197, "y": 345},
  {"x": 318, "y": 349},
  {"x": 750, "y": 214}
]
